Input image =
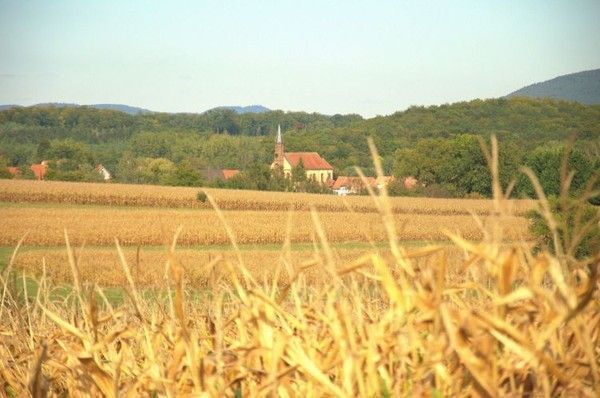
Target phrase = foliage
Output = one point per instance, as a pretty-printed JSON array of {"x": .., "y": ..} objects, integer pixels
[
  {"x": 456, "y": 165},
  {"x": 577, "y": 225},
  {"x": 568, "y": 218},
  {"x": 299, "y": 172},
  {"x": 186, "y": 176},
  {"x": 439, "y": 144},
  {"x": 545, "y": 162},
  {"x": 68, "y": 171},
  {"x": 201, "y": 196}
]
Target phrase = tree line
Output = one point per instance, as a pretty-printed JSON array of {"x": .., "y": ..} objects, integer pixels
[{"x": 439, "y": 145}]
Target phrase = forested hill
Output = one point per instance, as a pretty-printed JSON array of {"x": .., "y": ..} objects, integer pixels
[
  {"x": 244, "y": 109},
  {"x": 582, "y": 87},
  {"x": 132, "y": 110},
  {"x": 222, "y": 138}
]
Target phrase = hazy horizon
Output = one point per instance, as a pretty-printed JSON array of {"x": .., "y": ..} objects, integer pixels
[{"x": 329, "y": 58}]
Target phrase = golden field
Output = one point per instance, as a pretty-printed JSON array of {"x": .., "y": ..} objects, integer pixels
[
  {"x": 148, "y": 226},
  {"x": 176, "y": 197},
  {"x": 480, "y": 314},
  {"x": 97, "y": 265},
  {"x": 501, "y": 322}
]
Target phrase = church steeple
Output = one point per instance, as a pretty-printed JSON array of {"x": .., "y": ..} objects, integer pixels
[
  {"x": 279, "y": 139},
  {"x": 279, "y": 149}
]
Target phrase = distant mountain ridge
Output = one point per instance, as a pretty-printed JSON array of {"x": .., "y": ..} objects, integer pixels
[
  {"x": 131, "y": 110},
  {"x": 583, "y": 87},
  {"x": 244, "y": 109}
]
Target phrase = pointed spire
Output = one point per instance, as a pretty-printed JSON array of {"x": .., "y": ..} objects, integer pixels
[{"x": 279, "y": 139}]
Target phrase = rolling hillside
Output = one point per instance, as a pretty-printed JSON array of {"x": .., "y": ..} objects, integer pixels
[
  {"x": 130, "y": 110},
  {"x": 581, "y": 87}
]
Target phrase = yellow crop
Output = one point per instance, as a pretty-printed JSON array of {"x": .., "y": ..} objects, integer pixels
[
  {"x": 160, "y": 196},
  {"x": 477, "y": 315}
]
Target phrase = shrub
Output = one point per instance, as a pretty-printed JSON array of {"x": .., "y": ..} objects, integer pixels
[
  {"x": 577, "y": 227},
  {"x": 201, "y": 196}
]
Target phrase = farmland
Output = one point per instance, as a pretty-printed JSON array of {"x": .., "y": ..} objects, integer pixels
[
  {"x": 180, "y": 197},
  {"x": 146, "y": 226},
  {"x": 267, "y": 297},
  {"x": 141, "y": 217}
]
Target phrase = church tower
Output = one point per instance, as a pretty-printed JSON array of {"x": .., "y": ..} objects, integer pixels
[{"x": 279, "y": 151}]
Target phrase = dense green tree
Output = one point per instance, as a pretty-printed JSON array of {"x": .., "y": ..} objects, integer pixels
[
  {"x": 156, "y": 171},
  {"x": 545, "y": 162},
  {"x": 186, "y": 175},
  {"x": 151, "y": 144},
  {"x": 70, "y": 151},
  {"x": 42, "y": 149},
  {"x": 299, "y": 172},
  {"x": 456, "y": 165},
  {"x": 4, "y": 164}
]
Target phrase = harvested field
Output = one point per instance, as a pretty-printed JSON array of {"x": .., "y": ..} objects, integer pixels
[
  {"x": 382, "y": 325},
  {"x": 160, "y": 196},
  {"x": 311, "y": 319},
  {"x": 143, "y": 226},
  {"x": 102, "y": 265}
]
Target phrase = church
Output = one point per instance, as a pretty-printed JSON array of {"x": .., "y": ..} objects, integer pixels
[{"x": 316, "y": 168}]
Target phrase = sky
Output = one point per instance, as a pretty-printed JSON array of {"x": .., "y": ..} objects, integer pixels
[{"x": 365, "y": 57}]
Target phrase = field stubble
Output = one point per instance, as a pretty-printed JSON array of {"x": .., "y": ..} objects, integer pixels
[
  {"x": 501, "y": 322},
  {"x": 100, "y": 226},
  {"x": 181, "y": 197}
]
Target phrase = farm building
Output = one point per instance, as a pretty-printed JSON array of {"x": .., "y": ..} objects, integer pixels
[
  {"x": 384, "y": 181},
  {"x": 39, "y": 170},
  {"x": 220, "y": 174},
  {"x": 103, "y": 172},
  {"x": 345, "y": 185},
  {"x": 15, "y": 172},
  {"x": 410, "y": 182},
  {"x": 315, "y": 167}
]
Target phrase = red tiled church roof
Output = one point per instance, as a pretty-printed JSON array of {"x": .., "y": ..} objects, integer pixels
[{"x": 310, "y": 160}]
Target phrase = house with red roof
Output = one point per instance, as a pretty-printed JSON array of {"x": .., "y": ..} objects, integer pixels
[
  {"x": 39, "y": 170},
  {"x": 410, "y": 182},
  {"x": 15, "y": 172},
  {"x": 315, "y": 167},
  {"x": 219, "y": 174},
  {"x": 230, "y": 173},
  {"x": 346, "y": 185}
]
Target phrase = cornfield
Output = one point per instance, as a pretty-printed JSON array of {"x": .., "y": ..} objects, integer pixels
[
  {"x": 179, "y": 197},
  {"x": 97, "y": 265},
  {"x": 502, "y": 321},
  {"x": 143, "y": 226}
]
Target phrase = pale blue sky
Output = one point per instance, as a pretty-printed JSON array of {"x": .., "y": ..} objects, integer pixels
[{"x": 366, "y": 57}]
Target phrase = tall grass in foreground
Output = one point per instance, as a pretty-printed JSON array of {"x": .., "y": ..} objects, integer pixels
[{"x": 507, "y": 323}]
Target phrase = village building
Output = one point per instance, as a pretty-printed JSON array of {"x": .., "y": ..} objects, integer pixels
[
  {"x": 40, "y": 170},
  {"x": 410, "y": 182},
  {"x": 383, "y": 181},
  {"x": 346, "y": 185},
  {"x": 103, "y": 172},
  {"x": 230, "y": 173},
  {"x": 315, "y": 167},
  {"x": 219, "y": 174},
  {"x": 15, "y": 172}
]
